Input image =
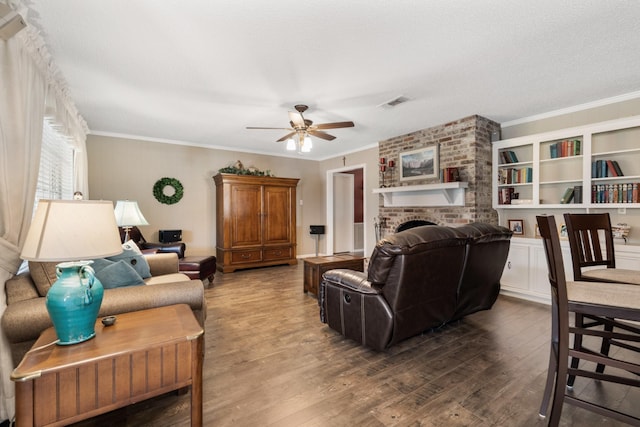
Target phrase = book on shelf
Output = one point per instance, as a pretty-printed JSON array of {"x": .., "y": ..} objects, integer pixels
[
  {"x": 613, "y": 169},
  {"x": 615, "y": 193},
  {"x": 505, "y": 195},
  {"x": 515, "y": 176},
  {"x": 509, "y": 156},
  {"x": 577, "y": 194},
  {"x": 450, "y": 174},
  {"x": 568, "y": 196},
  {"x": 605, "y": 169},
  {"x": 566, "y": 148},
  {"x": 617, "y": 168}
]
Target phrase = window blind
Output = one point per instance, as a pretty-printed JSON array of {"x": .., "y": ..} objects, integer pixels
[{"x": 55, "y": 178}]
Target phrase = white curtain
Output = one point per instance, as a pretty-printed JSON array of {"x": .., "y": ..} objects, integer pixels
[{"x": 31, "y": 90}]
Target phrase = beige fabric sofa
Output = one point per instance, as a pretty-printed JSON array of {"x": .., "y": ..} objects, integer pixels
[{"x": 26, "y": 315}]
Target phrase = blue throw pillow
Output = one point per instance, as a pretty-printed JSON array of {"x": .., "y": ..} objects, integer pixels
[
  {"x": 132, "y": 255},
  {"x": 116, "y": 274}
]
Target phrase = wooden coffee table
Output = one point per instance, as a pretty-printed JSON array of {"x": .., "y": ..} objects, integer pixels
[
  {"x": 144, "y": 354},
  {"x": 314, "y": 267}
]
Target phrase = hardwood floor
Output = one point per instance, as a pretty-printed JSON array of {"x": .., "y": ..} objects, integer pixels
[{"x": 271, "y": 362}]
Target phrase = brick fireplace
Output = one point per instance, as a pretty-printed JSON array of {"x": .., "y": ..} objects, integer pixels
[{"x": 465, "y": 144}]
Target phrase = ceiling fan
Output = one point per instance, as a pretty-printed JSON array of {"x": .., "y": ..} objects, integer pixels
[{"x": 305, "y": 127}]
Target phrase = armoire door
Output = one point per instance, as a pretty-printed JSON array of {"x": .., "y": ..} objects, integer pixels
[
  {"x": 277, "y": 215},
  {"x": 246, "y": 215}
]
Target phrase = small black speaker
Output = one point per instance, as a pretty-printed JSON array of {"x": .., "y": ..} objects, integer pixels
[
  {"x": 169, "y": 236},
  {"x": 316, "y": 229}
]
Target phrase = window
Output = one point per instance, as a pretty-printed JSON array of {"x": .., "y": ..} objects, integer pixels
[{"x": 55, "y": 178}]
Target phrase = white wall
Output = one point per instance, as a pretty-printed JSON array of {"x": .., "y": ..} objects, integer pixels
[{"x": 128, "y": 168}]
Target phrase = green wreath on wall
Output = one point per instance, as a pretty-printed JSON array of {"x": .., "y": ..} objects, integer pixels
[{"x": 161, "y": 184}]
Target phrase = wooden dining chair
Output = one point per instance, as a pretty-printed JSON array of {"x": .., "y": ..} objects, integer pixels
[
  {"x": 586, "y": 233},
  {"x": 610, "y": 303}
]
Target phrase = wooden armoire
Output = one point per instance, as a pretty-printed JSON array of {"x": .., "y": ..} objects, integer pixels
[{"x": 255, "y": 221}]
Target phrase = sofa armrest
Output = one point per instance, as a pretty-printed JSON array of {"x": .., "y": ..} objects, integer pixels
[
  {"x": 25, "y": 320},
  {"x": 177, "y": 248},
  {"x": 163, "y": 263},
  {"x": 20, "y": 288},
  {"x": 134, "y": 298}
]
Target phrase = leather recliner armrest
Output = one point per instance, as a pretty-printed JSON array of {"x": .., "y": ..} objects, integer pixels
[{"x": 350, "y": 279}]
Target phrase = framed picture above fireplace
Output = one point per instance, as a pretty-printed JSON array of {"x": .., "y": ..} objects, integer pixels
[{"x": 419, "y": 164}]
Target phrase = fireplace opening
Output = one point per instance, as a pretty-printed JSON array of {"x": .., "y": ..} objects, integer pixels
[{"x": 413, "y": 223}]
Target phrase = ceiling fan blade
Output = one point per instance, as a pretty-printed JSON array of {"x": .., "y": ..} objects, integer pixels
[
  {"x": 254, "y": 127},
  {"x": 287, "y": 136},
  {"x": 296, "y": 119},
  {"x": 334, "y": 125},
  {"x": 322, "y": 135}
]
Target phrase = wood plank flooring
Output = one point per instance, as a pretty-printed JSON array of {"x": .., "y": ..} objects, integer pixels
[{"x": 270, "y": 362}]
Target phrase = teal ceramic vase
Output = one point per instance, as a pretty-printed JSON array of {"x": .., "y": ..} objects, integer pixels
[{"x": 73, "y": 302}]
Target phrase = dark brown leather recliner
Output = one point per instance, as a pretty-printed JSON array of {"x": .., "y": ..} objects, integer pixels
[{"x": 417, "y": 279}]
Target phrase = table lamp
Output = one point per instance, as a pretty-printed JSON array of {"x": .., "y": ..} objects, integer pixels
[
  {"x": 128, "y": 215},
  {"x": 72, "y": 230}
]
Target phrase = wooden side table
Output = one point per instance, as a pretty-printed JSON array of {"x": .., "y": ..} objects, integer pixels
[
  {"x": 144, "y": 354},
  {"x": 314, "y": 267}
]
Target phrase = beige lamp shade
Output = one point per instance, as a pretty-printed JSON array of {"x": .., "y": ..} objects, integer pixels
[
  {"x": 71, "y": 230},
  {"x": 128, "y": 214}
]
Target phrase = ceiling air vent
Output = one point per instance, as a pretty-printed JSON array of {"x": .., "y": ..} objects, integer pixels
[{"x": 394, "y": 102}]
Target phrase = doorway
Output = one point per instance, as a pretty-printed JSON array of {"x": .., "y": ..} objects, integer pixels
[
  {"x": 343, "y": 209},
  {"x": 344, "y": 224}
]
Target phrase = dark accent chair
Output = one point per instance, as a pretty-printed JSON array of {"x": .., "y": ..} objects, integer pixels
[
  {"x": 417, "y": 279},
  {"x": 609, "y": 303},
  {"x": 196, "y": 267}
]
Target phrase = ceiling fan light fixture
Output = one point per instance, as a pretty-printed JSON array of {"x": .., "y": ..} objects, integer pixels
[
  {"x": 298, "y": 137},
  {"x": 306, "y": 145}
]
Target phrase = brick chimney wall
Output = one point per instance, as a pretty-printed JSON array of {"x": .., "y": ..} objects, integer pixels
[{"x": 464, "y": 143}]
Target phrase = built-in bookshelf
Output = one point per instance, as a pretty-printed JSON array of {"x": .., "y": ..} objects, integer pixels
[{"x": 587, "y": 166}]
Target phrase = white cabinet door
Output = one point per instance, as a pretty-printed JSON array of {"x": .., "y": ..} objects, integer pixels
[
  {"x": 516, "y": 270},
  {"x": 539, "y": 272}
]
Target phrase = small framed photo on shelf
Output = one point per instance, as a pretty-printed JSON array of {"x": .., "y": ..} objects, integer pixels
[
  {"x": 563, "y": 231},
  {"x": 537, "y": 231},
  {"x": 517, "y": 226},
  {"x": 419, "y": 164}
]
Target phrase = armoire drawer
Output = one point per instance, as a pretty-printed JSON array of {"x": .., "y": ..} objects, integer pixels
[
  {"x": 284, "y": 252},
  {"x": 239, "y": 257}
]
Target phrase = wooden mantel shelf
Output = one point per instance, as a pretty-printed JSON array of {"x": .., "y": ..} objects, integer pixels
[{"x": 444, "y": 194}]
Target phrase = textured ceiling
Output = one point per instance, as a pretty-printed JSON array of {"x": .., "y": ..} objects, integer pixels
[{"x": 201, "y": 71}]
